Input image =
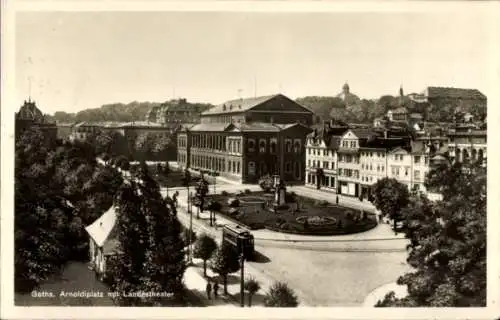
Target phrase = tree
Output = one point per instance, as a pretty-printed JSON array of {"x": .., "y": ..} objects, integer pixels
[
  {"x": 153, "y": 251},
  {"x": 203, "y": 249},
  {"x": 50, "y": 205},
  {"x": 127, "y": 268},
  {"x": 201, "y": 192},
  {"x": 251, "y": 286},
  {"x": 225, "y": 261},
  {"x": 448, "y": 244},
  {"x": 213, "y": 206},
  {"x": 280, "y": 295},
  {"x": 266, "y": 183},
  {"x": 390, "y": 196}
]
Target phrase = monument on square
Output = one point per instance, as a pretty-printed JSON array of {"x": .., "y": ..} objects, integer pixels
[{"x": 279, "y": 192}]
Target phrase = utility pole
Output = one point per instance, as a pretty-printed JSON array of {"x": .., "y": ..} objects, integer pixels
[
  {"x": 190, "y": 229},
  {"x": 190, "y": 212},
  {"x": 242, "y": 280}
]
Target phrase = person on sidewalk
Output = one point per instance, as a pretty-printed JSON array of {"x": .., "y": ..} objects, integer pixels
[
  {"x": 209, "y": 289},
  {"x": 216, "y": 289},
  {"x": 337, "y": 200}
]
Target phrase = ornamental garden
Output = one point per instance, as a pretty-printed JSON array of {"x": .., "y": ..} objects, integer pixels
[{"x": 296, "y": 214}]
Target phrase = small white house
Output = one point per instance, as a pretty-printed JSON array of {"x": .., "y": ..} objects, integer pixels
[{"x": 102, "y": 240}]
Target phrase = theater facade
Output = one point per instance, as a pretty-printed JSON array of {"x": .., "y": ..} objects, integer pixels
[{"x": 246, "y": 139}]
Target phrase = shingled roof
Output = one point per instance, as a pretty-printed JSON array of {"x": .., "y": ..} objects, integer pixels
[
  {"x": 445, "y": 92},
  {"x": 239, "y": 105}
]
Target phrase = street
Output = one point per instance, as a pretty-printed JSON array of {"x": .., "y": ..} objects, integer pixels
[{"x": 344, "y": 269}]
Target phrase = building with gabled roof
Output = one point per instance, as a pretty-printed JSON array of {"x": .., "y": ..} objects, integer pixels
[
  {"x": 321, "y": 154},
  {"x": 245, "y": 139},
  {"x": 103, "y": 241},
  {"x": 276, "y": 108}
]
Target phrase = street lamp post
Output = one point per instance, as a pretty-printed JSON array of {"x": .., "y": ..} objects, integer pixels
[
  {"x": 190, "y": 211},
  {"x": 214, "y": 174},
  {"x": 242, "y": 280}
]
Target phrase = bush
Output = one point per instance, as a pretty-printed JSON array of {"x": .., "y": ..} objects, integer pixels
[
  {"x": 224, "y": 193},
  {"x": 247, "y": 191},
  {"x": 266, "y": 183},
  {"x": 321, "y": 203},
  {"x": 280, "y": 295}
]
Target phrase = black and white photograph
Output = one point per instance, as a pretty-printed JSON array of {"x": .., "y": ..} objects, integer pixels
[{"x": 250, "y": 159}]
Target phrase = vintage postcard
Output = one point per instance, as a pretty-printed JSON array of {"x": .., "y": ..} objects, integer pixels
[{"x": 249, "y": 160}]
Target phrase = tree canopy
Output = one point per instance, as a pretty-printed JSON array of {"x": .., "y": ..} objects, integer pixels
[
  {"x": 59, "y": 189},
  {"x": 390, "y": 196},
  {"x": 447, "y": 242},
  {"x": 152, "y": 250},
  {"x": 225, "y": 261},
  {"x": 204, "y": 247}
]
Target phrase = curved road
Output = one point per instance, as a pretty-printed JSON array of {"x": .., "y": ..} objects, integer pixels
[{"x": 322, "y": 272}]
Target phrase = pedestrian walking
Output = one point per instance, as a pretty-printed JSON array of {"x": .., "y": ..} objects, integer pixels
[
  {"x": 209, "y": 289},
  {"x": 337, "y": 200},
  {"x": 216, "y": 289}
]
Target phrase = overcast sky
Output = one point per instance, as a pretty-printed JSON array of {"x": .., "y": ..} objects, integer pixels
[{"x": 80, "y": 60}]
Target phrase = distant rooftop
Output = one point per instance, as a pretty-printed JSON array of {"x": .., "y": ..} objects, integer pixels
[
  {"x": 448, "y": 92},
  {"x": 238, "y": 105}
]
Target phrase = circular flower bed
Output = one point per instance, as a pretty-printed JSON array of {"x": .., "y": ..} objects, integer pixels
[{"x": 317, "y": 220}]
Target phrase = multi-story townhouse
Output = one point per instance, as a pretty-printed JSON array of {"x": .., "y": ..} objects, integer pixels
[
  {"x": 348, "y": 161},
  {"x": 410, "y": 165},
  {"x": 421, "y": 164},
  {"x": 374, "y": 160},
  {"x": 321, "y": 155},
  {"x": 399, "y": 165},
  {"x": 373, "y": 167}
]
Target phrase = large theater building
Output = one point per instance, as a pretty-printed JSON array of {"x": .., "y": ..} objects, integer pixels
[{"x": 246, "y": 139}]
